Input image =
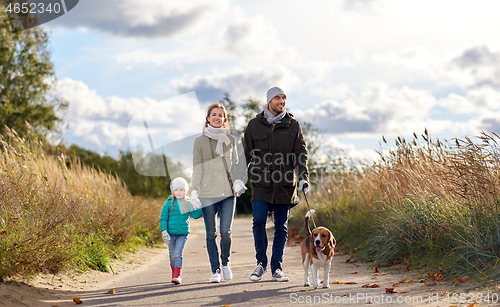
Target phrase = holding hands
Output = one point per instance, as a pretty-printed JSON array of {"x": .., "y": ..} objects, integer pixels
[
  {"x": 195, "y": 201},
  {"x": 239, "y": 188}
]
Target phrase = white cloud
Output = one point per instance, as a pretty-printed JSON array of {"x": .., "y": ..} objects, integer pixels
[
  {"x": 239, "y": 83},
  {"x": 476, "y": 66},
  {"x": 103, "y": 122},
  {"x": 135, "y": 18}
]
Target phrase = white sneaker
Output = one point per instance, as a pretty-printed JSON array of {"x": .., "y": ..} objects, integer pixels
[
  {"x": 226, "y": 272},
  {"x": 216, "y": 277}
]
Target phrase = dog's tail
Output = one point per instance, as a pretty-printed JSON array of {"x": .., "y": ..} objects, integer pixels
[{"x": 308, "y": 214}]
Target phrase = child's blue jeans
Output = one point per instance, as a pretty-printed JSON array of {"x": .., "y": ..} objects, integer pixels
[{"x": 175, "y": 248}]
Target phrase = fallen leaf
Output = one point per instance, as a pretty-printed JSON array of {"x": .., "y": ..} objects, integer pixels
[
  {"x": 410, "y": 279},
  {"x": 432, "y": 289},
  {"x": 390, "y": 290},
  {"x": 350, "y": 282},
  {"x": 375, "y": 269},
  {"x": 370, "y": 286},
  {"x": 112, "y": 291},
  {"x": 436, "y": 277},
  {"x": 246, "y": 290},
  {"x": 458, "y": 280},
  {"x": 473, "y": 304},
  {"x": 356, "y": 272},
  {"x": 77, "y": 300},
  {"x": 349, "y": 266},
  {"x": 430, "y": 284},
  {"x": 423, "y": 280},
  {"x": 335, "y": 282},
  {"x": 444, "y": 293},
  {"x": 395, "y": 284},
  {"x": 347, "y": 294},
  {"x": 402, "y": 281}
]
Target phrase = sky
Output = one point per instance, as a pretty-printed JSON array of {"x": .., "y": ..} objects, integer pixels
[{"x": 356, "y": 69}]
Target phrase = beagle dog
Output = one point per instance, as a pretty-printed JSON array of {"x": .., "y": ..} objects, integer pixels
[{"x": 317, "y": 252}]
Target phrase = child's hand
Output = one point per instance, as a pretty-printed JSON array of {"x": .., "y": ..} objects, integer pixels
[{"x": 166, "y": 237}]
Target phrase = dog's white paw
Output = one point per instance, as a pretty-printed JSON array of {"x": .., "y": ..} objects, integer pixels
[
  {"x": 326, "y": 286},
  {"x": 307, "y": 284}
]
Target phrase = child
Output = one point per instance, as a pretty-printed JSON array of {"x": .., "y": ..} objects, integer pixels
[{"x": 174, "y": 222}]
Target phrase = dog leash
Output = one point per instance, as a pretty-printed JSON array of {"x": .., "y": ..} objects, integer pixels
[{"x": 309, "y": 208}]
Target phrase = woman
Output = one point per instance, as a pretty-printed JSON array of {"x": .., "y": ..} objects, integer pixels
[{"x": 216, "y": 182}]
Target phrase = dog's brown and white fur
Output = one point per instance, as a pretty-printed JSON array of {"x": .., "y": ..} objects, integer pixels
[{"x": 321, "y": 239}]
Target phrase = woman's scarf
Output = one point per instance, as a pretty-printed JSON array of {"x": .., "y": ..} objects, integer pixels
[
  {"x": 219, "y": 134},
  {"x": 272, "y": 119}
]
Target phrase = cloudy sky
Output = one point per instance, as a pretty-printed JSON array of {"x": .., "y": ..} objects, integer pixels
[{"x": 356, "y": 69}]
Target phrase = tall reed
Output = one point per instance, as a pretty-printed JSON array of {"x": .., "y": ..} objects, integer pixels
[
  {"x": 54, "y": 217},
  {"x": 423, "y": 199}
]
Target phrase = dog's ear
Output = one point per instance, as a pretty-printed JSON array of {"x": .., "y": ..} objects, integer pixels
[{"x": 332, "y": 241}]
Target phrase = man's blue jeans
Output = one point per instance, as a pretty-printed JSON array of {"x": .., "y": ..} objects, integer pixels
[
  {"x": 281, "y": 213},
  {"x": 225, "y": 207},
  {"x": 175, "y": 248}
]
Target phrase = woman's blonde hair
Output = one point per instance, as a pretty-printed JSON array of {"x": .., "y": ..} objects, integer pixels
[{"x": 214, "y": 106}]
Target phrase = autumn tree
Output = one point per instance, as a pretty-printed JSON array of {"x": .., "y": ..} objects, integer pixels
[{"x": 27, "y": 79}]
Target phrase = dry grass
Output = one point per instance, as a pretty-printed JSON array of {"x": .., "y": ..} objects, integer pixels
[
  {"x": 423, "y": 200},
  {"x": 54, "y": 217}
]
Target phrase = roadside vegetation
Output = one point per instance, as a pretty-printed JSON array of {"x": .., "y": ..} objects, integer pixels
[
  {"x": 58, "y": 214},
  {"x": 424, "y": 203}
]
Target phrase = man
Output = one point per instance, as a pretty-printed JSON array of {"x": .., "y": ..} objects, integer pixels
[{"x": 276, "y": 150}]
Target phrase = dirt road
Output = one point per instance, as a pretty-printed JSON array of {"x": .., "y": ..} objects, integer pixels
[{"x": 148, "y": 283}]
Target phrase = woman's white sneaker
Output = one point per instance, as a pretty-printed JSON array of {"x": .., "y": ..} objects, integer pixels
[
  {"x": 216, "y": 277},
  {"x": 226, "y": 272}
]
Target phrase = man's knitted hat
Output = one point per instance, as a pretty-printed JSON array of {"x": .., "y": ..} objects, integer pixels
[
  {"x": 179, "y": 182},
  {"x": 273, "y": 91}
]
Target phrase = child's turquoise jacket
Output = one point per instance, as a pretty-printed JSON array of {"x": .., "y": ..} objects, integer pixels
[{"x": 175, "y": 222}]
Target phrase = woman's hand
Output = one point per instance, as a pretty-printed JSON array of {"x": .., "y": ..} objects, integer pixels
[
  {"x": 239, "y": 187},
  {"x": 195, "y": 201},
  {"x": 166, "y": 237}
]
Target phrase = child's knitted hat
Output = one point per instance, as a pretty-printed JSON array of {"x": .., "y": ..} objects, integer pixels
[{"x": 179, "y": 182}]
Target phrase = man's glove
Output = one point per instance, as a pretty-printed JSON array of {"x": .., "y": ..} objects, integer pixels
[
  {"x": 166, "y": 237},
  {"x": 195, "y": 201},
  {"x": 304, "y": 186},
  {"x": 239, "y": 187}
]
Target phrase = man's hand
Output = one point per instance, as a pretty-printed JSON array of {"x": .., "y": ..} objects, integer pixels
[
  {"x": 195, "y": 201},
  {"x": 166, "y": 237},
  {"x": 239, "y": 187},
  {"x": 304, "y": 186}
]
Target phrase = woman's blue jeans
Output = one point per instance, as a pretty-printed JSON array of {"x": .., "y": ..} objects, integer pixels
[
  {"x": 175, "y": 248},
  {"x": 281, "y": 213},
  {"x": 225, "y": 209}
]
